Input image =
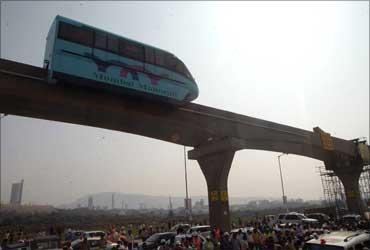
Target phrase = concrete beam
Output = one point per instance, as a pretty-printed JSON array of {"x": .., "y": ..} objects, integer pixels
[
  {"x": 190, "y": 125},
  {"x": 216, "y": 145}
]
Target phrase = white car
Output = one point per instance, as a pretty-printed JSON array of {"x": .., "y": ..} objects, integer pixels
[
  {"x": 94, "y": 243},
  {"x": 295, "y": 218},
  {"x": 179, "y": 237},
  {"x": 204, "y": 230},
  {"x": 91, "y": 234},
  {"x": 340, "y": 240}
]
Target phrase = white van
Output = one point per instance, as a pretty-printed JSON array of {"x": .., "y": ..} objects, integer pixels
[{"x": 340, "y": 240}]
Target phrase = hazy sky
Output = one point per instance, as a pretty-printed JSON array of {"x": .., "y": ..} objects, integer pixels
[{"x": 303, "y": 64}]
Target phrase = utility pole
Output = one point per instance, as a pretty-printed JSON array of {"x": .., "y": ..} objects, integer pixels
[
  {"x": 282, "y": 183},
  {"x": 1, "y": 117},
  {"x": 187, "y": 203}
]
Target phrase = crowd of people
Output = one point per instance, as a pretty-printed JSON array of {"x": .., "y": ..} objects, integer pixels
[
  {"x": 254, "y": 236},
  {"x": 257, "y": 235}
]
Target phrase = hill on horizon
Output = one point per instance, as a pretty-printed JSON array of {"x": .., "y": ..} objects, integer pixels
[{"x": 136, "y": 201}]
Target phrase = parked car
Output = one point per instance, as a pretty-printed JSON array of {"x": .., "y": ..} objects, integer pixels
[
  {"x": 42, "y": 242},
  {"x": 350, "y": 219},
  {"x": 204, "y": 230},
  {"x": 154, "y": 241},
  {"x": 180, "y": 228},
  {"x": 72, "y": 235},
  {"x": 94, "y": 243},
  {"x": 322, "y": 218},
  {"x": 90, "y": 234},
  {"x": 340, "y": 240},
  {"x": 243, "y": 229},
  {"x": 182, "y": 236},
  {"x": 18, "y": 246},
  {"x": 114, "y": 246},
  {"x": 46, "y": 242},
  {"x": 295, "y": 218}
]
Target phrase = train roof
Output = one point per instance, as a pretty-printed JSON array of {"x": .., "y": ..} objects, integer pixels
[{"x": 62, "y": 18}]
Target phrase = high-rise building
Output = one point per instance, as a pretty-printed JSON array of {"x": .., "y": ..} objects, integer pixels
[
  {"x": 90, "y": 202},
  {"x": 112, "y": 201},
  {"x": 170, "y": 212},
  {"x": 16, "y": 193},
  {"x": 187, "y": 204}
]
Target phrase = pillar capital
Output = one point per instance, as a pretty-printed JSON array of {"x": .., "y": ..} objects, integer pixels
[{"x": 214, "y": 146}]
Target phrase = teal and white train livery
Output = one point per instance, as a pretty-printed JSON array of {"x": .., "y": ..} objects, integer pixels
[{"x": 83, "y": 55}]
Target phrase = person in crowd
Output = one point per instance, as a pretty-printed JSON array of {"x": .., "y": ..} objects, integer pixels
[
  {"x": 85, "y": 244},
  {"x": 196, "y": 242},
  {"x": 209, "y": 245},
  {"x": 225, "y": 243},
  {"x": 4, "y": 244},
  {"x": 250, "y": 239},
  {"x": 102, "y": 242},
  {"x": 235, "y": 242},
  {"x": 244, "y": 242},
  {"x": 178, "y": 246},
  {"x": 162, "y": 245}
]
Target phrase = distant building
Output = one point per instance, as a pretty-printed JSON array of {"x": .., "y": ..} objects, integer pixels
[
  {"x": 263, "y": 203},
  {"x": 90, "y": 203},
  {"x": 16, "y": 193},
  {"x": 187, "y": 204},
  {"x": 170, "y": 212},
  {"x": 199, "y": 204},
  {"x": 142, "y": 206}
]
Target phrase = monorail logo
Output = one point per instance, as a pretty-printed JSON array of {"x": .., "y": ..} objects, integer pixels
[
  {"x": 131, "y": 84},
  {"x": 125, "y": 69}
]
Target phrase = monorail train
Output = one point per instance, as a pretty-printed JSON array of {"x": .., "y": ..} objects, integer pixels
[{"x": 83, "y": 55}]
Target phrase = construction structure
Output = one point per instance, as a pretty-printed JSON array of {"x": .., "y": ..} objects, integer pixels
[
  {"x": 333, "y": 190},
  {"x": 16, "y": 193}
]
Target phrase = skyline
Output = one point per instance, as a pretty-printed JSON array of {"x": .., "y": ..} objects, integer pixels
[{"x": 317, "y": 70}]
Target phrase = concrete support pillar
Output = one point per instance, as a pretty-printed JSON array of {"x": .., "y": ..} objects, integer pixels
[
  {"x": 350, "y": 181},
  {"x": 215, "y": 168}
]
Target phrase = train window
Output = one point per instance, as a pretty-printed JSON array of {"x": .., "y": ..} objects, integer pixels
[
  {"x": 149, "y": 55},
  {"x": 132, "y": 50},
  {"x": 75, "y": 34},
  {"x": 159, "y": 58},
  {"x": 113, "y": 43},
  {"x": 180, "y": 68},
  {"x": 171, "y": 62},
  {"x": 100, "y": 40}
]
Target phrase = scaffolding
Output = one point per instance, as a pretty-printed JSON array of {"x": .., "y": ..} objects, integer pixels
[
  {"x": 364, "y": 183},
  {"x": 333, "y": 189}
]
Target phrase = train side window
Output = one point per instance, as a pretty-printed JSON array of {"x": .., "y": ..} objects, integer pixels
[
  {"x": 180, "y": 68},
  {"x": 132, "y": 50},
  {"x": 100, "y": 40},
  {"x": 113, "y": 43},
  {"x": 75, "y": 34},
  {"x": 149, "y": 55},
  {"x": 159, "y": 58},
  {"x": 171, "y": 62}
]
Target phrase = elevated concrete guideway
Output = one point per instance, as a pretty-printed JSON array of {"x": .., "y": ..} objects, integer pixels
[{"x": 215, "y": 134}]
